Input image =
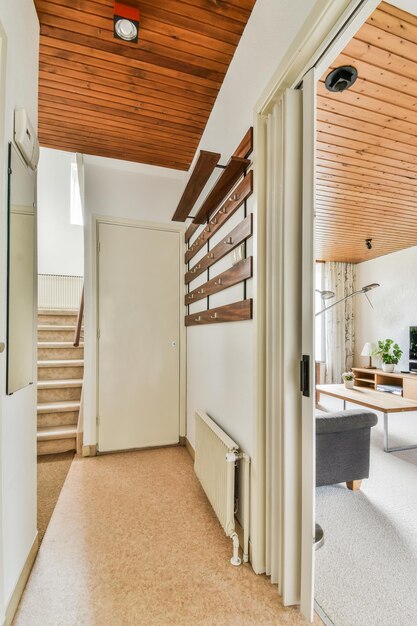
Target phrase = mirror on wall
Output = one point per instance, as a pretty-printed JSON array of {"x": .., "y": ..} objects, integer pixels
[{"x": 21, "y": 273}]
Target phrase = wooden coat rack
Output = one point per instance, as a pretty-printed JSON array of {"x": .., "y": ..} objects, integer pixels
[{"x": 227, "y": 195}]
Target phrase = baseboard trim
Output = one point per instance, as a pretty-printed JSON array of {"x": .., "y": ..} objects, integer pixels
[
  {"x": 80, "y": 439},
  {"x": 21, "y": 583},
  {"x": 190, "y": 449},
  {"x": 89, "y": 450}
]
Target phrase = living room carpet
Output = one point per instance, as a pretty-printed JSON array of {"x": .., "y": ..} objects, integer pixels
[{"x": 366, "y": 572}]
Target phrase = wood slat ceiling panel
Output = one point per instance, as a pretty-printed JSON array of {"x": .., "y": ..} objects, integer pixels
[
  {"x": 367, "y": 144},
  {"x": 147, "y": 102}
]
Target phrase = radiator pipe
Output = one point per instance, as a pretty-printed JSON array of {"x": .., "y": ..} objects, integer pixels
[
  {"x": 246, "y": 513},
  {"x": 235, "y": 560}
]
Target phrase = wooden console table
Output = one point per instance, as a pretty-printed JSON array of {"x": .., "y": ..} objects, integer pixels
[
  {"x": 371, "y": 378},
  {"x": 377, "y": 400}
]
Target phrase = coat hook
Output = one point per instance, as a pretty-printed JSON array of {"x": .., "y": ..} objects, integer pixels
[
  {"x": 218, "y": 282},
  {"x": 214, "y": 220},
  {"x": 200, "y": 291},
  {"x": 229, "y": 240},
  {"x": 208, "y": 229},
  {"x": 190, "y": 296},
  {"x": 197, "y": 319},
  {"x": 210, "y": 255},
  {"x": 234, "y": 197},
  {"x": 214, "y": 316},
  {"x": 223, "y": 210}
]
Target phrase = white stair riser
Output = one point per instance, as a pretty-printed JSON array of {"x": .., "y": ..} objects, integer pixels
[
  {"x": 59, "y": 394},
  {"x": 51, "y": 354},
  {"x": 62, "y": 418},
  {"x": 58, "y": 320},
  {"x": 56, "y": 446},
  {"x": 57, "y": 373}
]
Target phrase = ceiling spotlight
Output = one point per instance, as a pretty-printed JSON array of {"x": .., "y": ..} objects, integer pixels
[
  {"x": 341, "y": 78},
  {"x": 126, "y": 22},
  {"x": 368, "y": 243}
]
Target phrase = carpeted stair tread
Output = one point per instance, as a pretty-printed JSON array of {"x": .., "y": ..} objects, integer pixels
[
  {"x": 58, "y": 407},
  {"x": 56, "y": 327},
  {"x": 57, "y": 432},
  {"x": 59, "y": 344},
  {"x": 57, "y": 383}
]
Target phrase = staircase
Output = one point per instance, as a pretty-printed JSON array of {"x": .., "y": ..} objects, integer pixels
[{"x": 60, "y": 378}]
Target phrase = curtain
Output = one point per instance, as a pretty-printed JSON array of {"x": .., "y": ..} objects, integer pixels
[{"x": 340, "y": 328}]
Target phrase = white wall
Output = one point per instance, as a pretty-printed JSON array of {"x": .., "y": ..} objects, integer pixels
[
  {"x": 221, "y": 357},
  {"x": 18, "y": 412},
  {"x": 121, "y": 190},
  {"x": 395, "y": 302},
  {"x": 60, "y": 243}
]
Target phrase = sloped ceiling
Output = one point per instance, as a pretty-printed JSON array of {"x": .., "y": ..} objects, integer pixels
[{"x": 147, "y": 102}]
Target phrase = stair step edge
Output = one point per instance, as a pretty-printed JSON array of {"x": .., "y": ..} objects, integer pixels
[
  {"x": 58, "y": 432},
  {"x": 61, "y": 363},
  {"x": 58, "y": 407},
  {"x": 57, "y": 383}
]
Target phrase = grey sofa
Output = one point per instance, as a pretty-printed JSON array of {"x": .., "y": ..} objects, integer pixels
[{"x": 342, "y": 447}]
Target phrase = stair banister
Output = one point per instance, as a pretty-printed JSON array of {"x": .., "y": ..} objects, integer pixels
[{"x": 79, "y": 321}]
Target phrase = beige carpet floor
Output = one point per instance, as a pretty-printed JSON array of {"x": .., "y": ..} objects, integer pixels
[
  {"x": 52, "y": 472},
  {"x": 133, "y": 541}
]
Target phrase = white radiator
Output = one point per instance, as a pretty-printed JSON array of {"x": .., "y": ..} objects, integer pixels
[
  {"x": 216, "y": 457},
  {"x": 59, "y": 292}
]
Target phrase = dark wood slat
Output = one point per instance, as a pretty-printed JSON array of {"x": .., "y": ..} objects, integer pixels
[
  {"x": 245, "y": 147},
  {"x": 234, "y": 275},
  {"x": 240, "y": 194},
  {"x": 190, "y": 232},
  {"x": 236, "y": 312},
  {"x": 224, "y": 184},
  {"x": 241, "y": 232},
  {"x": 202, "y": 171}
]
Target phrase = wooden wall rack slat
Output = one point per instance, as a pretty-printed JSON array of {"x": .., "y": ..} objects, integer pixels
[
  {"x": 235, "y": 312},
  {"x": 190, "y": 232},
  {"x": 245, "y": 147},
  {"x": 241, "y": 232},
  {"x": 202, "y": 171},
  {"x": 224, "y": 184},
  {"x": 240, "y": 194},
  {"x": 232, "y": 276}
]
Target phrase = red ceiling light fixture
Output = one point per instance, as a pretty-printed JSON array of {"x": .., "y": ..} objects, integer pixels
[{"x": 126, "y": 22}]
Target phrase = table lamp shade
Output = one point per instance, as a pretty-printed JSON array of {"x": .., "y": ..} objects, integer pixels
[{"x": 368, "y": 349}]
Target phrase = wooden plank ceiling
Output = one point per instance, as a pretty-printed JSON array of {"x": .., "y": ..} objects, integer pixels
[
  {"x": 367, "y": 144},
  {"x": 147, "y": 102}
]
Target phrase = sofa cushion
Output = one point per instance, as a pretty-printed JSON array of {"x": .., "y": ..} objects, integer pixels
[{"x": 345, "y": 420}]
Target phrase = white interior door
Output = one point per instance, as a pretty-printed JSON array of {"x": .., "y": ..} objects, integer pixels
[
  {"x": 308, "y": 429},
  {"x": 139, "y": 322}
]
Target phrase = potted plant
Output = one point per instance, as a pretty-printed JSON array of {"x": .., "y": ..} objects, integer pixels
[
  {"x": 348, "y": 379},
  {"x": 390, "y": 353}
]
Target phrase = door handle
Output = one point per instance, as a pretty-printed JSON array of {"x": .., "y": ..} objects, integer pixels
[{"x": 305, "y": 375}]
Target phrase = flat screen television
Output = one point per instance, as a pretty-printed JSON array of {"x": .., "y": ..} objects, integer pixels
[{"x": 413, "y": 343}]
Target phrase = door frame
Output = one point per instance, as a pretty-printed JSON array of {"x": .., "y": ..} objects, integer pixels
[
  {"x": 326, "y": 31},
  {"x": 92, "y": 303}
]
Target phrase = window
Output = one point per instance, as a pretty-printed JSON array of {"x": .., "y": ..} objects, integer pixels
[{"x": 76, "y": 213}]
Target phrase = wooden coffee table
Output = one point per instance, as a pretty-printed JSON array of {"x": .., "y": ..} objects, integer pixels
[{"x": 378, "y": 400}]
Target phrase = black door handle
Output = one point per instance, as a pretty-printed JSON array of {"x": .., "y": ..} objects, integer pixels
[{"x": 305, "y": 375}]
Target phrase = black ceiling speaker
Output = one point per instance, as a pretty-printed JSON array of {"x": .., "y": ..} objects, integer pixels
[{"x": 341, "y": 78}]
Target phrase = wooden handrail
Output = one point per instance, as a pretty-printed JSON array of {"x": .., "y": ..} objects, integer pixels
[{"x": 79, "y": 321}]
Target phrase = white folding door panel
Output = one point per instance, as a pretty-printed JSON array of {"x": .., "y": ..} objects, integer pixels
[
  {"x": 308, "y": 444},
  {"x": 139, "y": 322}
]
